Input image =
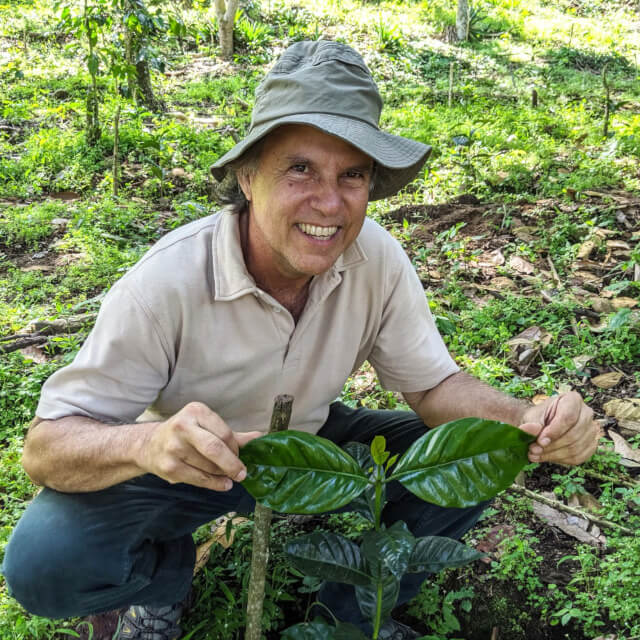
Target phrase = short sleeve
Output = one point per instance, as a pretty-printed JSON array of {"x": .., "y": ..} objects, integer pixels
[
  {"x": 120, "y": 369},
  {"x": 409, "y": 353}
]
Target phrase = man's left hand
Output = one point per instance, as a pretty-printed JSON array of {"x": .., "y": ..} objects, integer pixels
[{"x": 565, "y": 429}]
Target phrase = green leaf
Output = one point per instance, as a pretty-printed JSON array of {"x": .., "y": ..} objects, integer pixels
[
  {"x": 346, "y": 631},
  {"x": 434, "y": 553},
  {"x": 297, "y": 472},
  {"x": 328, "y": 556},
  {"x": 92, "y": 64},
  {"x": 388, "y": 549},
  {"x": 367, "y": 596},
  {"x": 316, "y": 630},
  {"x": 364, "y": 504},
  {"x": 378, "y": 452},
  {"x": 461, "y": 463}
]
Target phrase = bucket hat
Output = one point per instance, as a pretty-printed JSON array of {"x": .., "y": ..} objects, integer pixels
[{"x": 327, "y": 85}]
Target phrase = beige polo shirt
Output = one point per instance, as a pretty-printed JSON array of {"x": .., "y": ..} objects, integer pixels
[{"x": 188, "y": 323}]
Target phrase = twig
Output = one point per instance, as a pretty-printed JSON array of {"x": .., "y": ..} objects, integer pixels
[
  {"x": 494, "y": 633},
  {"x": 619, "y": 481},
  {"x": 554, "y": 273},
  {"x": 450, "y": 100},
  {"x": 605, "y": 524},
  {"x": 262, "y": 524},
  {"x": 116, "y": 136}
]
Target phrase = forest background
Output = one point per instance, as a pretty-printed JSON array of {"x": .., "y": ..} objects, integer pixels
[{"x": 523, "y": 227}]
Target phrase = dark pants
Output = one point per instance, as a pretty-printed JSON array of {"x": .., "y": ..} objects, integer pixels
[{"x": 73, "y": 554}]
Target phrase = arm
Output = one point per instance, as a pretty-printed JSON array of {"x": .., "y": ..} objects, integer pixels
[
  {"x": 77, "y": 454},
  {"x": 568, "y": 437}
]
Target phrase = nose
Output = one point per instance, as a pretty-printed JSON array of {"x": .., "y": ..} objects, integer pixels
[{"x": 327, "y": 198}]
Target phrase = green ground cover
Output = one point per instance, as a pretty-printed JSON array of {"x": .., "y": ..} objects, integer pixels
[{"x": 539, "y": 183}]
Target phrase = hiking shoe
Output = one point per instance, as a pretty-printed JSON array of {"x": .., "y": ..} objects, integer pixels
[
  {"x": 150, "y": 623},
  {"x": 394, "y": 630}
]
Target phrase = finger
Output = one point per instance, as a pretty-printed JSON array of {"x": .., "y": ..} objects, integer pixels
[
  {"x": 566, "y": 416},
  {"x": 210, "y": 421},
  {"x": 216, "y": 450},
  {"x": 575, "y": 452},
  {"x": 532, "y": 428},
  {"x": 242, "y": 437},
  {"x": 584, "y": 429},
  {"x": 190, "y": 475}
]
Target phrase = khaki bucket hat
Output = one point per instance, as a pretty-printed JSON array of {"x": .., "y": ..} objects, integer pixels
[{"x": 327, "y": 85}]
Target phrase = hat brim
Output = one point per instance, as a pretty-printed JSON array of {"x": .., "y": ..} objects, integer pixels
[{"x": 398, "y": 159}]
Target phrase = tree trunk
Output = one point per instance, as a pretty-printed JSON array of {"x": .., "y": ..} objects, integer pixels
[
  {"x": 462, "y": 21},
  {"x": 226, "y": 16},
  {"x": 138, "y": 74}
]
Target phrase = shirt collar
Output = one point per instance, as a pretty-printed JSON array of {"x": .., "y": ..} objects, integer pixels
[{"x": 231, "y": 279}]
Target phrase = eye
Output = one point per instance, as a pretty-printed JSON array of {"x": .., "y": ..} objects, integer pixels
[
  {"x": 300, "y": 167},
  {"x": 355, "y": 174}
]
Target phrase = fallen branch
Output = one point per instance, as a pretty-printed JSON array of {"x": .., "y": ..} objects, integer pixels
[
  {"x": 37, "y": 332},
  {"x": 618, "y": 481},
  {"x": 560, "y": 506},
  {"x": 261, "y": 526}
]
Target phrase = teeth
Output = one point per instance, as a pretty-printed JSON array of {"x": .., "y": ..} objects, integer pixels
[{"x": 320, "y": 232}]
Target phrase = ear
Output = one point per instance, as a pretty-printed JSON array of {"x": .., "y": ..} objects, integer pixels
[{"x": 244, "y": 182}]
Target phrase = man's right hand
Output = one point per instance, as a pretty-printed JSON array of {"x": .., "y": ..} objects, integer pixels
[{"x": 197, "y": 447}]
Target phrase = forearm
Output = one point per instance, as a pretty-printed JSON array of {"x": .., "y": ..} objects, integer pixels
[
  {"x": 78, "y": 454},
  {"x": 463, "y": 396}
]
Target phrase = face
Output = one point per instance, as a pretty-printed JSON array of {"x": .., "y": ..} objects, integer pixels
[{"x": 307, "y": 203}]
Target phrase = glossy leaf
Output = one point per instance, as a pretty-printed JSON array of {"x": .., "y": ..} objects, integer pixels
[
  {"x": 328, "y": 556},
  {"x": 464, "y": 462},
  {"x": 388, "y": 549},
  {"x": 297, "y": 472},
  {"x": 346, "y": 631},
  {"x": 316, "y": 630},
  {"x": 434, "y": 553},
  {"x": 367, "y": 597},
  {"x": 321, "y": 630},
  {"x": 364, "y": 504},
  {"x": 378, "y": 450}
]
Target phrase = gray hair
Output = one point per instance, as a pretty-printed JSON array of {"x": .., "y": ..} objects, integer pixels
[{"x": 229, "y": 192}]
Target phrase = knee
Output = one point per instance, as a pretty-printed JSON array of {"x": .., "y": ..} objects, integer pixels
[{"x": 41, "y": 565}]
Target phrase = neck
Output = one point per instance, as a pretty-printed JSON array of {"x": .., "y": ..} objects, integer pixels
[{"x": 289, "y": 292}]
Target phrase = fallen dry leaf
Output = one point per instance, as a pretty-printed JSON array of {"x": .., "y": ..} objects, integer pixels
[
  {"x": 618, "y": 244},
  {"x": 601, "y": 305},
  {"x": 586, "y": 249},
  {"x": 530, "y": 337},
  {"x": 219, "y": 536},
  {"x": 44, "y": 268},
  {"x": 520, "y": 265},
  {"x": 580, "y": 362},
  {"x": 607, "y": 380},
  {"x": 502, "y": 282},
  {"x": 626, "y": 411},
  {"x": 570, "y": 524},
  {"x": 539, "y": 398},
  {"x": 491, "y": 542},
  {"x": 623, "y": 303},
  {"x": 622, "y": 447},
  {"x": 35, "y": 354}
]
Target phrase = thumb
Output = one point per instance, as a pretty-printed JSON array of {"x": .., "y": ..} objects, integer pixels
[
  {"x": 242, "y": 437},
  {"x": 532, "y": 428}
]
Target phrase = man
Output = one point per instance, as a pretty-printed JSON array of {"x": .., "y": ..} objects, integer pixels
[{"x": 287, "y": 291}]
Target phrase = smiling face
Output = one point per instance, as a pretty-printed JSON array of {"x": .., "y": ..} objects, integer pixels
[{"x": 307, "y": 203}]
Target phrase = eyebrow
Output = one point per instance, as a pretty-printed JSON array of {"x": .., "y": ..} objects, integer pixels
[{"x": 297, "y": 159}]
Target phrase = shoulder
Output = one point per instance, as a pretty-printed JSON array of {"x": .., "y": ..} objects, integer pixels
[
  {"x": 177, "y": 258},
  {"x": 381, "y": 249}
]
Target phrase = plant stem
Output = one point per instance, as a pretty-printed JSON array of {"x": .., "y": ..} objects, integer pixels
[
  {"x": 260, "y": 544},
  {"x": 116, "y": 134},
  {"x": 376, "y": 626},
  {"x": 379, "y": 473}
]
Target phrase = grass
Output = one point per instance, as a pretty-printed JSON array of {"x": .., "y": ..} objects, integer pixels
[{"x": 529, "y": 166}]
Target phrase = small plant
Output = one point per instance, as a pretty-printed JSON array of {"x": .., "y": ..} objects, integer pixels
[{"x": 457, "y": 465}]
